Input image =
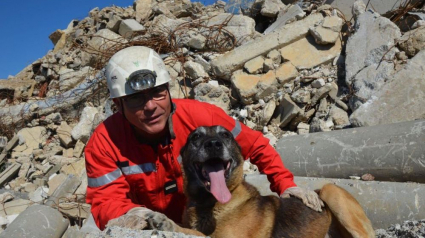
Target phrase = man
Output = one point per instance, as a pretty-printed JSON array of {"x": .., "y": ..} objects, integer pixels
[{"x": 132, "y": 158}]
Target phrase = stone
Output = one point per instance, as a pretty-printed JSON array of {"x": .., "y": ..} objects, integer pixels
[
  {"x": 318, "y": 83},
  {"x": 89, "y": 120},
  {"x": 379, "y": 33},
  {"x": 64, "y": 133},
  {"x": 129, "y": 27},
  {"x": 30, "y": 139},
  {"x": 70, "y": 78},
  {"x": 224, "y": 65},
  {"x": 303, "y": 128},
  {"x": 275, "y": 56},
  {"x": 143, "y": 9},
  {"x": 283, "y": 17},
  {"x": 217, "y": 95},
  {"x": 250, "y": 88},
  {"x": 398, "y": 100},
  {"x": 114, "y": 22},
  {"x": 78, "y": 149},
  {"x": 271, "y": 8},
  {"x": 286, "y": 111},
  {"x": 162, "y": 25},
  {"x": 301, "y": 96},
  {"x": 324, "y": 36},
  {"x": 77, "y": 168},
  {"x": 321, "y": 93},
  {"x": 55, "y": 182},
  {"x": 333, "y": 23},
  {"x": 242, "y": 27},
  {"x": 286, "y": 72},
  {"x": 413, "y": 41},
  {"x": 345, "y": 6},
  {"x": 359, "y": 7},
  {"x": 305, "y": 53},
  {"x": 255, "y": 66},
  {"x": 195, "y": 70},
  {"x": 75, "y": 210},
  {"x": 197, "y": 42},
  {"x": 268, "y": 65},
  {"x": 339, "y": 116},
  {"x": 15, "y": 206}
]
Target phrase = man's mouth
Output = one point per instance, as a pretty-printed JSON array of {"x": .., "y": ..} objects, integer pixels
[{"x": 213, "y": 174}]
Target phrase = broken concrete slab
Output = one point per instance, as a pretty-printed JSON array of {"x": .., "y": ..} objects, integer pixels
[
  {"x": 9, "y": 173},
  {"x": 345, "y": 6},
  {"x": 15, "y": 206},
  {"x": 385, "y": 203},
  {"x": 249, "y": 87},
  {"x": 284, "y": 17},
  {"x": 66, "y": 189},
  {"x": 225, "y": 65},
  {"x": 377, "y": 31},
  {"x": 64, "y": 134},
  {"x": 286, "y": 111},
  {"x": 242, "y": 27},
  {"x": 396, "y": 102},
  {"x": 306, "y": 53},
  {"x": 39, "y": 221},
  {"x": 90, "y": 118},
  {"x": 393, "y": 152}
]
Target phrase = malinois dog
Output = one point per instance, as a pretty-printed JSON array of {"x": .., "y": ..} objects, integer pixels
[{"x": 221, "y": 204}]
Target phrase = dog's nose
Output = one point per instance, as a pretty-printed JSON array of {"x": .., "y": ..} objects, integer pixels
[{"x": 213, "y": 144}]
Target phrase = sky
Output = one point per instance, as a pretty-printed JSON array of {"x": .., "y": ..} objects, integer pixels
[{"x": 25, "y": 27}]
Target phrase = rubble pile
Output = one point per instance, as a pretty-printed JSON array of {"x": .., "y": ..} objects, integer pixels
[{"x": 280, "y": 67}]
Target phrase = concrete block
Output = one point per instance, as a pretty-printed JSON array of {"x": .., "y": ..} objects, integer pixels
[
  {"x": 381, "y": 6},
  {"x": 37, "y": 221},
  {"x": 128, "y": 27},
  {"x": 9, "y": 173},
  {"x": 226, "y": 64},
  {"x": 385, "y": 203},
  {"x": 66, "y": 189},
  {"x": 393, "y": 152},
  {"x": 305, "y": 53}
]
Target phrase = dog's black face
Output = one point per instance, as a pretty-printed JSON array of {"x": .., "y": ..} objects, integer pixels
[{"x": 211, "y": 159}]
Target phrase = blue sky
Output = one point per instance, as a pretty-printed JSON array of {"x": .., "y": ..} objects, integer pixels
[{"x": 25, "y": 27}]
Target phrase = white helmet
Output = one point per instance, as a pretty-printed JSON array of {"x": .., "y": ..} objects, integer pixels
[{"x": 133, "y": 61}]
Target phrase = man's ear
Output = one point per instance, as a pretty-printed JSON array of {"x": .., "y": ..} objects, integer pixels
[{"x": 118, "y": 104}]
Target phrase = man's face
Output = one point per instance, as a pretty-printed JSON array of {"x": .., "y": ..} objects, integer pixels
[{"x": 148, "y": 110}]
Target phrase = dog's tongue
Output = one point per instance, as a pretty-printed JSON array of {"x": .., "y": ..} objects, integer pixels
[{"x": 218, "y": 183}]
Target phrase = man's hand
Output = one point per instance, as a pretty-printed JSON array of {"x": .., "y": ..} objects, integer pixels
[
  {"x": 140, "y": 218},
  {"x": 310, "y": 198}
]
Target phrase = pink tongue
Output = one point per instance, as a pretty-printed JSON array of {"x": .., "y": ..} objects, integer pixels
[{"x": 218, "y": 183}]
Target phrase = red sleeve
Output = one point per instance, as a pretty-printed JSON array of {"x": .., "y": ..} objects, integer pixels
[
  {"x": 109, "y": 200},
  {"x": 257, "y": 148}
]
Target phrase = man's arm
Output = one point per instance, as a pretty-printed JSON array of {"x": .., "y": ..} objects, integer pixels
[{"x": 107, "y": 188}]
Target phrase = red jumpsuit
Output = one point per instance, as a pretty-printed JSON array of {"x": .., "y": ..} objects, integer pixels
[{"x": 123, "y": 174}]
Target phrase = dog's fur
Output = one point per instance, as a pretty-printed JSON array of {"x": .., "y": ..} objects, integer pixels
[{"x": 247, "y": 213}]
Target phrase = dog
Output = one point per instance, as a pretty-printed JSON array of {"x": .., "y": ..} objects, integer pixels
[{"x": 222, "y": 204}]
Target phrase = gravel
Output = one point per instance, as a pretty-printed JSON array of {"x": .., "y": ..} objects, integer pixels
[{"x": 409, "y": 229}]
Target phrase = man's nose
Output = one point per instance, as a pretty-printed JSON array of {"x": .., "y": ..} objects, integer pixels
[{"x": 150, "y": 104}]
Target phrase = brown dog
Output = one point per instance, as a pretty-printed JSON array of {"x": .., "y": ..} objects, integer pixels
[{"x": 222, "y": 204}]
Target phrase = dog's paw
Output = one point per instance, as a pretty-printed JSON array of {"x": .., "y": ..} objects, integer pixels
[{"x": 159, "y": 221}]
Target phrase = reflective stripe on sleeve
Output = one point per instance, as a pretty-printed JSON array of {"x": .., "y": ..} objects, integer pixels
[
  {"x": 237, "y": 129},
  {"x": 180, "y": 159},
  {"x": 139, "y": 169},
  {"x": 105, "y": 179}
]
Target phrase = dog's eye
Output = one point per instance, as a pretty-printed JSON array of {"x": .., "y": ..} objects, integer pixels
[
  {"x": 195, "y": 136},
  {"x": 226, "y": 135}
]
